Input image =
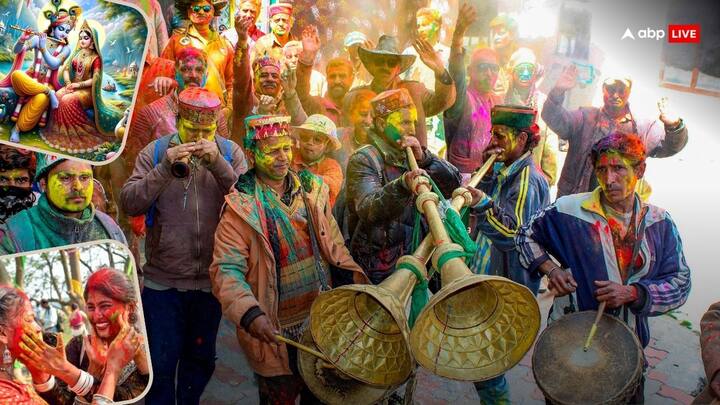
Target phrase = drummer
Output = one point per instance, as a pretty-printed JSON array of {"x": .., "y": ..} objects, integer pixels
[
  {"x": 611, "y": 247},
  {"x": 516, "y": 189}
]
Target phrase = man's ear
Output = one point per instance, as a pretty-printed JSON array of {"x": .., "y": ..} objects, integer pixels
[
  {"x": 43, "y": 184},
  {"x": 379, "y": 123},
  {"x": 640, "y": 169},
  {"x": 522, "y": 138}
]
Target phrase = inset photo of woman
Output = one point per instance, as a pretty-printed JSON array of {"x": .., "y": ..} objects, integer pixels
[{"x": 72, "y": 329}]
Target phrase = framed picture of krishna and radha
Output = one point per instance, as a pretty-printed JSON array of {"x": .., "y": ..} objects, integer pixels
[{"x": 68, "y": 74}]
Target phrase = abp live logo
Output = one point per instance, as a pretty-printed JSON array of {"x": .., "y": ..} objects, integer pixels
[
  {"x": 684, "y": 33},
  {"x": 676, "y": 33}
]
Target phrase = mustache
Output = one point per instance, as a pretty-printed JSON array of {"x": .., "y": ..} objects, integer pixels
[{"x": 75, "y": 194}]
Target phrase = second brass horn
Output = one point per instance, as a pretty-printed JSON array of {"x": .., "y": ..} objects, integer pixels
[
  {"x": 476, "y": 327},
  {"x": 362, "y": 329}
]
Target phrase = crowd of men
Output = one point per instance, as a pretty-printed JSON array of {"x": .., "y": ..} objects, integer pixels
[{"x": 255, "y": 190}]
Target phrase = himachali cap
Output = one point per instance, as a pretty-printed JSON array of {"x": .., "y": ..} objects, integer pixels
[
  {"x": 198, "y": 105},
  {"x": 264, "y": 61},
  {"x": 515, "y": 116},
  {"x": 280, "y": 8},
  {"x": 390, "y": 101},
  {"x": 258, "y": 127},
  {"x": 324, "y": 125}
]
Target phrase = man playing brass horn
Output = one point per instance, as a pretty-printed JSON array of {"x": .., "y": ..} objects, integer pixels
[
  {"x": 611, "y": 246},
  {"x": 506, "y": 199},
  {"x": 274, "y": 247},
  {"x": 380, "y": 202}
]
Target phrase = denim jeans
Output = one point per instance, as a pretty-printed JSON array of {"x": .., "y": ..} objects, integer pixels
[
  {"x": 494, "y": 391},
  {"x": 182, "y": 328}
]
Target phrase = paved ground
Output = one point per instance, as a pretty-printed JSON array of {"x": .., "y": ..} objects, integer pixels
[{"x": 673, "y": 377}]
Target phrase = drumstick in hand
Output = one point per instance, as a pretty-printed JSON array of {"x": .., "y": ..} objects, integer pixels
[
  {"x": 593, "y": 329},
  {"x": 302, "y": 347}
]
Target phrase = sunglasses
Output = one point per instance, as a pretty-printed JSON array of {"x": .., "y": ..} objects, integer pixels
[
  {"x": 616, "y": 88},
  {"x": 205, "y": 8},
  {"x": 310, "y": 137},
  {"x": 389, "y": 62},
  {"x": 487, "y": 66}
]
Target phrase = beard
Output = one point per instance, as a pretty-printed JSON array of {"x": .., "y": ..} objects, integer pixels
[{"x": 14, "y": 200}]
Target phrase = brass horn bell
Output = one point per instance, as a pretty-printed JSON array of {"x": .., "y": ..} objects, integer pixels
[
  {"x": 362, "y": 329},
  {"x": 476, "y": 327}
]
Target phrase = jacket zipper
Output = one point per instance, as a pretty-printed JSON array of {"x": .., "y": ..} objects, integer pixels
[{"x": 197, "y": 221}]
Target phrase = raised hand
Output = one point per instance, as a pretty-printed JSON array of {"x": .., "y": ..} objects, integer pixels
[
  {"x": 567, "y": 78},
  {"x": 267, "y": 104},
  {"x": 242, "y": 25},
  {"x": 668, "y": 119},
  {"x": 288, "y": 80},
  {"x": 466, "y": 17},
  {"x": 429, "y": 56},
  {"x": 310, "y": 41}
]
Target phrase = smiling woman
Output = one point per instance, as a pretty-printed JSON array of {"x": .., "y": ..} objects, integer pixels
[{"x": 108, "y": 363}]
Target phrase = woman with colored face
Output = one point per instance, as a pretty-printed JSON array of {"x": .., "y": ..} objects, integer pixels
[
  {"x": 16, "y": 319},
  {"x": 109, "y": 365},
  {"x": 71, "y": 128}
]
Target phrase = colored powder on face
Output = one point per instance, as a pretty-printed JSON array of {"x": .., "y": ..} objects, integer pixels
[
  {"x": 264, "y": 159},
  {"x": 67, "y": 191},
  {"x": 628, "y": 181}
]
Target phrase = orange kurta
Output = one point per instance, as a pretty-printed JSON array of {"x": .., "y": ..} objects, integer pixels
[
  {"x": 328, "y": 169},
  {"x": 220, "y": 56}
]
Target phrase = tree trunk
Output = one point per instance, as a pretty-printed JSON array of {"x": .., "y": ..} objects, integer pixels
[
  {"x": 111, "y": 259},
  {"x": 20, "y": 272},
  {"x": 5, "y": 278},
  {"x": 76, "y": 274}
]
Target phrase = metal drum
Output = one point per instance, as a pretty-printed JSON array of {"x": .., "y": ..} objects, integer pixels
[
  {"x": 608, "y": 373},
  {"x": 330, "y": 385}
]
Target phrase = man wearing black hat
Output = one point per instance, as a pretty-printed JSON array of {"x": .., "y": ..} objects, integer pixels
[
  {"x": 507, "y": 198},
  {"x": 386, "y": 63}
]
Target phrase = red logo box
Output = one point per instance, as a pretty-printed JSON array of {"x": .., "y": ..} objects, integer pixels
[{"x": 684, "y": 33}]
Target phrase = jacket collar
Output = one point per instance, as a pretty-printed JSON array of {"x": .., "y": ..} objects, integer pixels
[
  {"x": 391, "y": 156},
  {"x": 592, "y": 203},
  {"x": 61, "y": 224},
  {"x": 245, "y": 199}
]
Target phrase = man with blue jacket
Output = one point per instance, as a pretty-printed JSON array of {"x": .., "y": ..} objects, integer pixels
[
  {"x": 506, "y": 199},
  {"x": 611, "y": 247}
]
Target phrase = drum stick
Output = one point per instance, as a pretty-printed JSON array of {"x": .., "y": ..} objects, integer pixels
[
  {"x": 302, "y": 347},
  {"x": 593, "y": 329}
]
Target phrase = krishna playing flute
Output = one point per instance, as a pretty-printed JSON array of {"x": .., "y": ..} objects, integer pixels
[{"x": 67, "y": 86}]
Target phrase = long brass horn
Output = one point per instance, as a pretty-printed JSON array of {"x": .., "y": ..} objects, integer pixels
[
  {"x": 362, "y": 329},
  {"x": 476, "y": 327}
]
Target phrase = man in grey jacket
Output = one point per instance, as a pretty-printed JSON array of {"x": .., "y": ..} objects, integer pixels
[
  {"x": 663, "y": 137},
  {"x": 179, "y": 184}
]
